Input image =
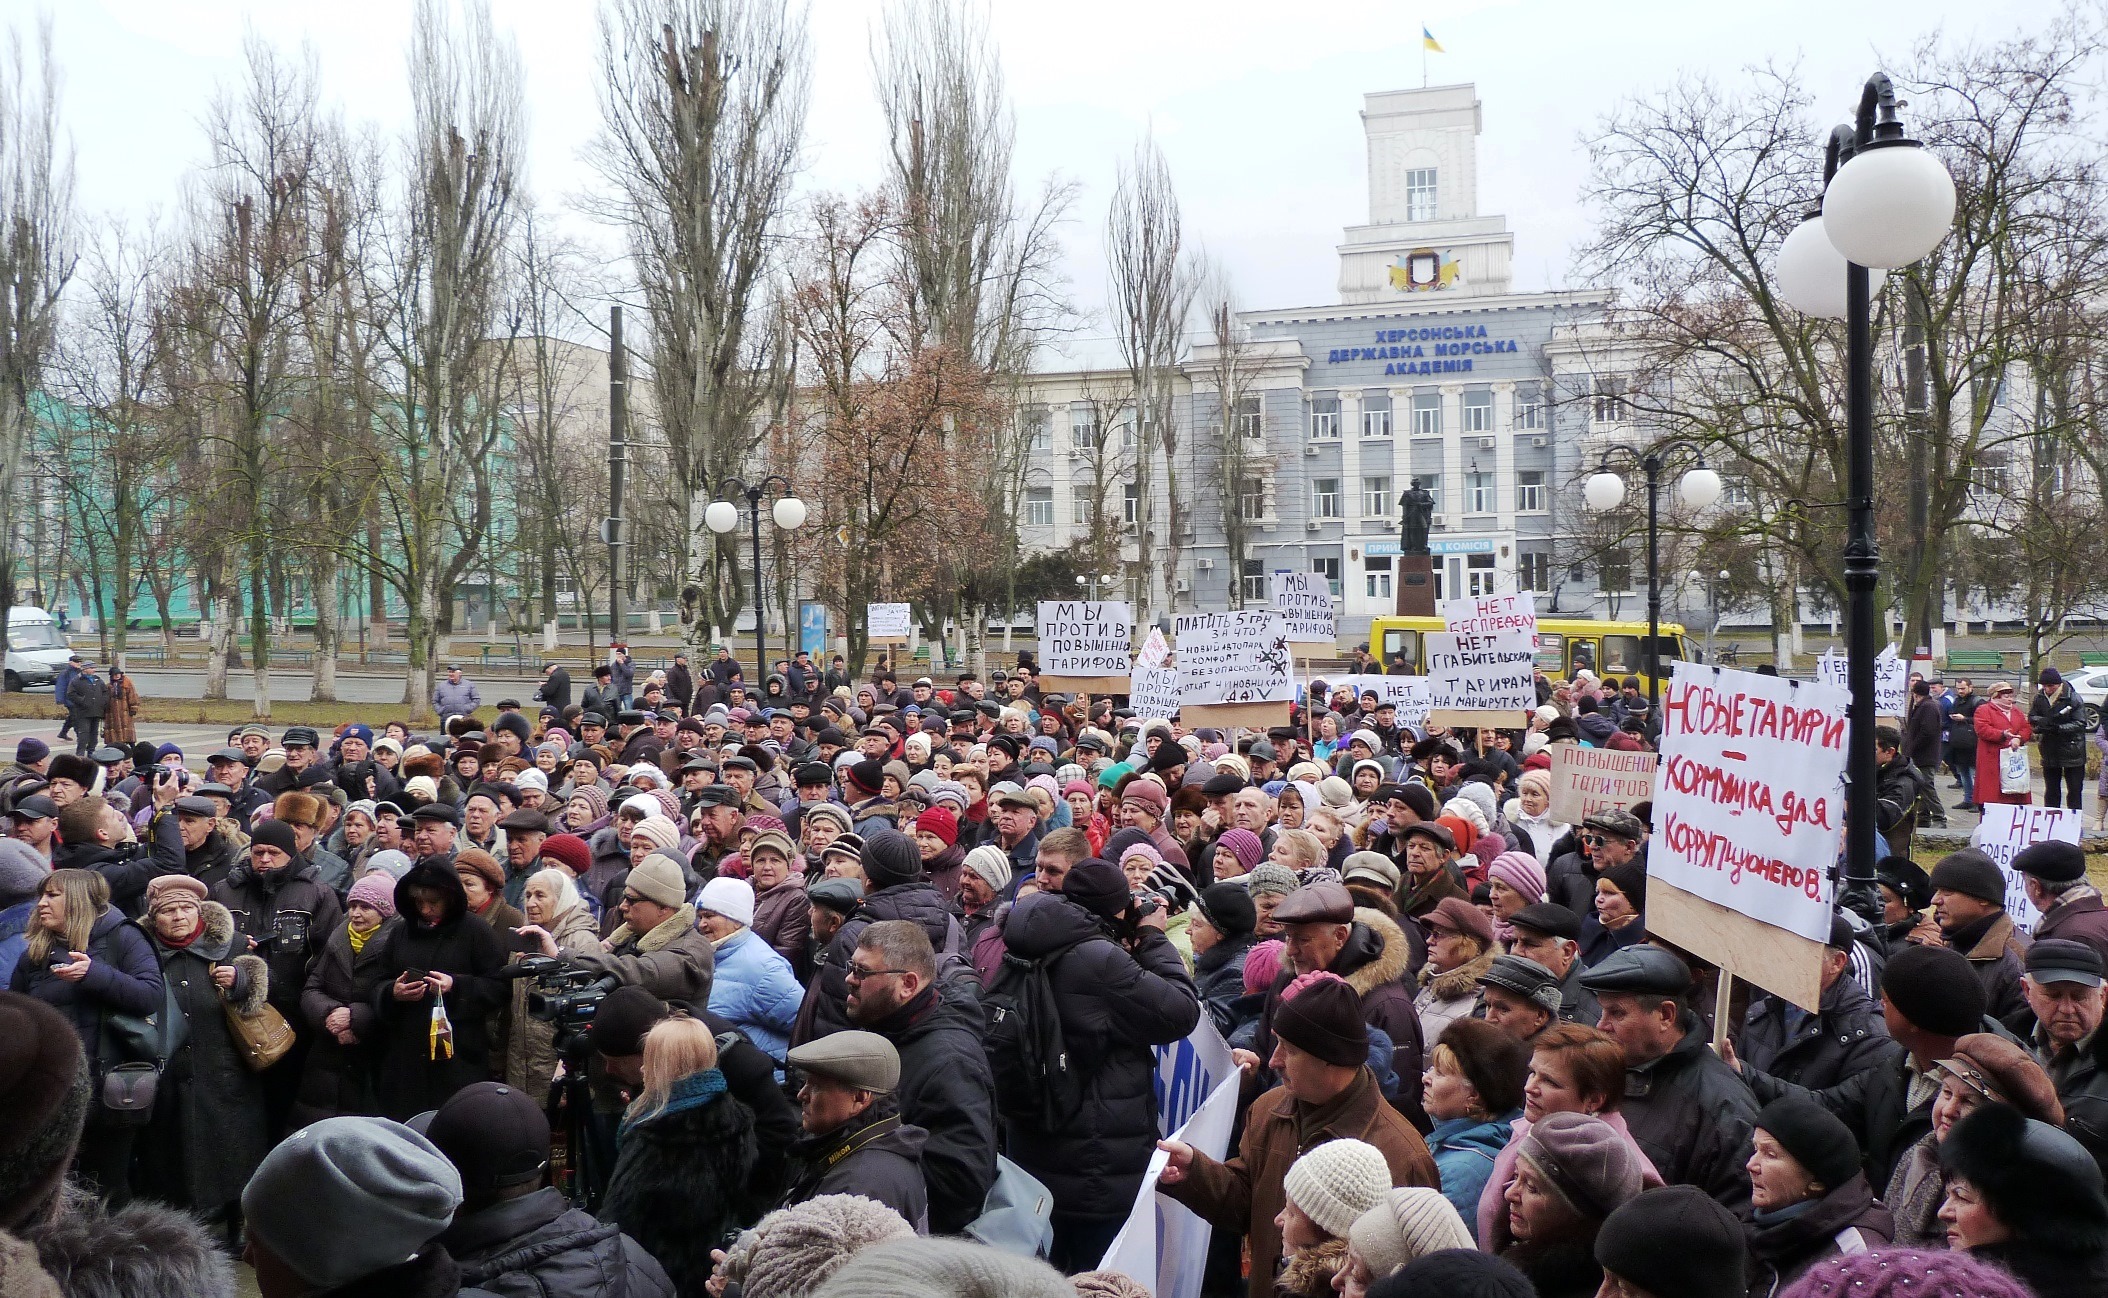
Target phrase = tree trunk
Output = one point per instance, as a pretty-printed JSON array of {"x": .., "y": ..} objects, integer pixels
[
  {"x": 224, "y": 611},
  {"x": 419, "y": 676},
  {"x": 259, "y": 631},
  {"x": 376, "y": 592},
  {"x": 328, "y": 625}
]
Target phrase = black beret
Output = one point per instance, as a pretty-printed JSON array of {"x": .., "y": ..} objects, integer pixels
[
  {"x": 438, "y": 811},
  {"x": 1816, "y": 1138},
  {"x": 717, "y": 795},
  {"x": 2052, "y": 862},
  {"x": 1222, "y": 786}
]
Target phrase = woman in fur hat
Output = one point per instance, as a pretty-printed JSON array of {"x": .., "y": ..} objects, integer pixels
[
  {"x": 208, "y": 1130},
  {"x": 2028, "y": 1197}
]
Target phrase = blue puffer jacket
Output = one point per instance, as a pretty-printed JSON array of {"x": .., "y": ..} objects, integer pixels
[
  {"x": 123, "y": 978},
  {"x": 14, "y": 935},
  {"x": 1464, "y": 1150},
  {"x": 756, "y": 990}
]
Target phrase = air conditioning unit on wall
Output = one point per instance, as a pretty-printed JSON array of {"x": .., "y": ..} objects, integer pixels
[{"x": 1204, "y": 565}]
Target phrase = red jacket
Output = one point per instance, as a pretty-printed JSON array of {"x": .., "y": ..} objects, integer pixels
[{"x": 1995, "y": 724}]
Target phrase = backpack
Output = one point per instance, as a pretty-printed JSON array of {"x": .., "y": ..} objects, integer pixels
[{"x": 1036, "y": 1081}]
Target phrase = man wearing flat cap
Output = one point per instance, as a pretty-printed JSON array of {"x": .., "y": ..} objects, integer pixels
[
  {"x": 1429, "y": 880},
  {"x": 2055, "y": 877},
  {"x": 855, "y": 1141},
  {"x": 1521, "y": 996},
  {"x": 1550, "y": 934},
  {"x": 1688, "y": 1111},
  {"x": 1969, "y": 905},
  {"x": 1325, "y": 932},
  {"x": 2065, "y": 997}
]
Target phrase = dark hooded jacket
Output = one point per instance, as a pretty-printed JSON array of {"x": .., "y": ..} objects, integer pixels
[
  {"x": 1116, "y": 1008},
  {"x": 680, "y": 1182},
  {"x": 1693, "y": 1117},
  {"x": 338, "y": 1079},
  {"x": 208, "y": 1132},
  {"x": 825, "y": 1008},
  {"x": 1846, "y": 1036},
  {"x": 1218, "y": 974},
  {"x": 874, "y": 1154},
  {"x": 129, "y": 867},
  {"x": 416, "y": 1073},
  {"x": 539, "y": 1245},
  {"x": 288, "y": 913},
  {"x": 1780, "y": 1249},
  {"x": 947, "y": 1090}
]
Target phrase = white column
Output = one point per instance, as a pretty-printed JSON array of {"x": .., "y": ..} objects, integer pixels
[
  {"x": 1453, "y": 455},
  {"x": 1504, "y": 485}
]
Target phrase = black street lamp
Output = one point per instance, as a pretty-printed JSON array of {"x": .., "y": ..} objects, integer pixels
[
  {"x": 722, "y": 516},
  {"x": 1605, "y": 491},
  {"x": 1886, "y": 203}
]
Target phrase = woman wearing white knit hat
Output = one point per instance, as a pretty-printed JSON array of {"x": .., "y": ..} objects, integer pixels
[
  {"x": 1328, "y": 1189},
  {"x": 1407, "y": 1223}
]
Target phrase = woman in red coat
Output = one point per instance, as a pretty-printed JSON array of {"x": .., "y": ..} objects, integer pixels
[{"x": 1999, "y": 725}]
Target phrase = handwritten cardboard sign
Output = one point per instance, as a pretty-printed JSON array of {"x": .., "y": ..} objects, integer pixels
[
  {"x": 1155, "y": 650},
  {"x": 2005, "y": 829},
  {"x": 1483, "y": 615},
  {"x": 1305, "y": 600},
  {"x": 1084, "y": 638},
  {"x": 1480, "y": 679},
  {"x": 1235, "y": 657},
  {"x": 1749, "y": 802},
  {"x": 1891, "y": 679},
  {"x": 887, "y": 621},
  {"x": 1411, "y": 695},
  {"x": 1153, "y": 691},
  {"x": 1588, "y": 780}
]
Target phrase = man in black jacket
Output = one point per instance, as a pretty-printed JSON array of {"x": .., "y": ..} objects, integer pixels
[
  {"x": 2059, "y": 719},
  {"x": 1930, "y": 999},
  {"x": 555, "y": 689},
  {"x": 1688, "y": 1112},
  {"x": 1844, "y": 1037},
  {"x": 945, "y": 1085},
  {"x": 510, "y": 1234},
  {"x": 1118, "y": 1001},
  {"x": 87, "y": 703},
  {"x": 855, "y": 1141},
  {"x": 96, "y": 836},
  {"x": 1923, "y": 731}
]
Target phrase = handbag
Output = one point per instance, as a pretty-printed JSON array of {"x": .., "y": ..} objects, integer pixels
[
  {"x": 2013, "y": 774},
  {"x": 262, "y": 1038}
]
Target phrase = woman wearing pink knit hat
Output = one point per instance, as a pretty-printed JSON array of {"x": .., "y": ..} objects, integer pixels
[{"x": 1516, "y": 880}]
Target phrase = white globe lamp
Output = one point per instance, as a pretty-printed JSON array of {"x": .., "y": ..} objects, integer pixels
[
  {"x": 789, "y": 513},
  {"x": 1603, "y": 491},
  {"x": 1888, "y": 206},
  {"x": 1810, "y": 272},
  {"x": 721, "y": 516}
]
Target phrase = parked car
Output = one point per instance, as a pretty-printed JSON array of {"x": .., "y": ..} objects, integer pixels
[{"x": 36, "y": 648}]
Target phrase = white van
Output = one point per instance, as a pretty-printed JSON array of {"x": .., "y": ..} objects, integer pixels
[{"x": 36, "y": 648}]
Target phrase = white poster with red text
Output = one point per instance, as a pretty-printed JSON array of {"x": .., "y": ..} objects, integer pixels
[{"x": 1749, "y": 801}]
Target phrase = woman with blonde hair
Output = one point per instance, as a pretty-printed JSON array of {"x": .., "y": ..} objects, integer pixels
[
  {"x": 685, "y": 1156},
  {"x": 1298, "y": 849},
  {"x": 558, "y": 917}
]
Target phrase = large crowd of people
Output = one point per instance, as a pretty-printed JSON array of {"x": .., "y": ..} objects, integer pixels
[{"x": 850, "y": 987}]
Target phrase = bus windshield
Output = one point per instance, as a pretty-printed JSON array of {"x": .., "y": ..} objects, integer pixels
[{"x": 34, "y": 635}]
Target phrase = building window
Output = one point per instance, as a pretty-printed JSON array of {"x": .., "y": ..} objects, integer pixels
[
  {"x": 1607, "y": 400},
  {"x": 1251, "y": 499},
  {"x": 1324, "y": 417},
  {"x": 1529, "y": 408},
  {"x": 1080, "y": 505},
  {"x": 1991, "y": 479},
  {"x": 1427, "y": 414},
  {"x": 1478, "y": 412},
  {"x": 1127, "y": 422},
  {"x": 1251, "y": 581},
  {"x": 1420, "y": 194},
  {"x": 1478, "y": 492},
  {"x": 1533, "y": 570},
  {"x": 1038, "y": 427},
  {"x": 1324, "y": 497},
  {"x": 1131, "y": 504},
  {"x": 1376, "y": 576},
  {"x": 1376, "y": 496},
  {"x": 1328, "y": 568},
  {"x": 1529, "y": 493},
  {"x": 1039, "y": 507},
  {"x": 1083, "y": 427},
  {"x": 1479, "y": 574},
  {"x": 1734, "y": 489},
  {"x": 1376, "y": 414},
  {"x": 1433, "y": 483},
  {"x": 1251, "y": 417},
  {"x": 1616, "y": 573}
]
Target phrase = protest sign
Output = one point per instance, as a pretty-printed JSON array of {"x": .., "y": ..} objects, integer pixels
[
  {"x": 1304, "y": 599},
  {"x": 887, "y": 621},
  {"x": 1748, "y": 814},
  {"x": 1514, "y": 613},
  {"x": 1155, "y": 650},
  {"x": 1411, "y": 695},
  {"x": 1083, "y": 644},
  {"x": 1164, "y": 1245},
  {"x": 1587, "y": 780},
  {"x": 1153, "y": 691},
  {"x": 2008, "y": 827},
  {"x": 1891, "y": 679},
  {"x": 1235, "y": 664},
  {"x": 1478, "y": 680}
]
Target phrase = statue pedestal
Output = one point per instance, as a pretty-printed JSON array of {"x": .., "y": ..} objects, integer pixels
[{"x": 1415, "y": 575}]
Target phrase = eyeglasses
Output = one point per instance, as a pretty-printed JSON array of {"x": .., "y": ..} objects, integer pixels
[
  {"x": 1593, "y": 840},
  {"x": 856, "y": 973},
  {"x": 631, "y": 898}
]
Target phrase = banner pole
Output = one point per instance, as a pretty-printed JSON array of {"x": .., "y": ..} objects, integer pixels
[{"x": 1720, "y": 1002}]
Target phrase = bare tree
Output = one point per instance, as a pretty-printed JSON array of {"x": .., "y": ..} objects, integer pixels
[
  {"x": 1154, "y": 283},
  {"x": 447, "y": 258},
  {"x": 36, "y": 259},
  {"x": 703, "y": 108},
  {"x": 1237, "y": 428}
]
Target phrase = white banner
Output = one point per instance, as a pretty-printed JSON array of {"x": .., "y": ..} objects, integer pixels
[
  {"x": 1482, "y": 673},
  {"x": 1891, "y": 679},
  {"x": 1305, "y": 600},
  {"x": 1155, "y": 651},
  {"x": 1164, "y": 1245},
  {"x": 1411, "y": 695},
  {"x": 2008, "y": 827},
  {"x": 1237, "y": 657},
  {"x": 1749, "y": 802},
  {"x": 1514, "y": 613},
  {"x": 1153, "y": 691},
  {"x": 887, "y": 621},
  {"x": 1084, "y": 637}
]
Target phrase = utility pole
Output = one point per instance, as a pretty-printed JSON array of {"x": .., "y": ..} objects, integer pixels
[
  {"x": 1917, "y": 410},
  {"x": 611, "y": 530}
]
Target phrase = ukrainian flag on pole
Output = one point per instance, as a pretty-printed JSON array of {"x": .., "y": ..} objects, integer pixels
[{"x": 1428, "y": 42}]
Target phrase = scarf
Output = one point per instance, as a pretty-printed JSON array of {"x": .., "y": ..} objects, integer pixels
[
  {"x": 175, "y": 944},
  {"x": 359, "y": 936},
  {"x": 690, "y": 1092}
]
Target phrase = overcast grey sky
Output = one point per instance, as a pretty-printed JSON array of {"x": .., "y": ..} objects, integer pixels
[{"x": 1254, "y": 104}]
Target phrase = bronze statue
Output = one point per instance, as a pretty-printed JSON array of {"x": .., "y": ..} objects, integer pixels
[{"x": 1416, "y": 510}]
